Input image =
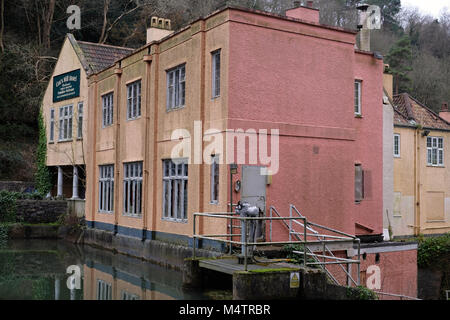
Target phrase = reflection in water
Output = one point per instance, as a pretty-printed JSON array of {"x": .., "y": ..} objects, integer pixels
[{"x": 36, "y": 269}]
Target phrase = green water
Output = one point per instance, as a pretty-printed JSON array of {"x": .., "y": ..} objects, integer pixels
[{"x": 37, "y": 270}]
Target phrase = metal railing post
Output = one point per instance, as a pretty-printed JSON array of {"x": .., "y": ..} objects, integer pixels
[
  {"x": 270, "y": 226},
  {"x": 290, "y": 222},
  {"x": 359, "y": 263},
  {"x": 193, "y": 238},
  {"x": 246, "y": 251},
  {"x": 304, "y": 242}
]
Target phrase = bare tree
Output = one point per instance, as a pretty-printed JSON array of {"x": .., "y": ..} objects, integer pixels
[{"x": 2, "y": 24}]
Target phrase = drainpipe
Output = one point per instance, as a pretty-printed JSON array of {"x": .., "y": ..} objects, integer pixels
[
  {"x": 145, "y": 202},
  {"x": 117, "y": 209},
  {"x": 417, "y": 182}
]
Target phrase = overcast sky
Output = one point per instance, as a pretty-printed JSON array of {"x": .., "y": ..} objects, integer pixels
[{"x": 432, "y": 7}]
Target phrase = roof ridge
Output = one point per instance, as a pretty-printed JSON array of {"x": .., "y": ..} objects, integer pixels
[
  {"x": 428, "y": 109},
  {"x": 408, "y": 107},
  {"x": 106, "y": 45}
]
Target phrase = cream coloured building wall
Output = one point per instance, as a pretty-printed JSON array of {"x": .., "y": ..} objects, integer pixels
[
  {"x": 61, "y": 153},
  {"x": 149, "y": 138},
  {"x": 426, "y": 208}
]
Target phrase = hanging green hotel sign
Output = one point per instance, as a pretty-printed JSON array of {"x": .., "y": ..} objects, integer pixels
[{"x": 66, "y": 86}]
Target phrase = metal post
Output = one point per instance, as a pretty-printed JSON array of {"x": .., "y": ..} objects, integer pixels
[
  {"x": 230, "y": 225},
  {"x": 304, "y": 242},
  {"x": 290, "y": 222},
  {"x": 245, "y": 241},
  {"x": 359, "y": 263},
  {"x": 270, "y": 226},
  {"x": 193, "y": 242}
]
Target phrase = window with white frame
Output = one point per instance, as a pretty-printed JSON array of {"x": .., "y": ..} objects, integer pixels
[
  {"x": 80, "y": 120},
  {"x": 175, "y": 192},
  {"x": 435, "y": 151},
  {"x": 52, "y": 125},
  {"x": 176, "y": 87},
  {"x": 132, "y": 189},
  {"x": 129, "y": 296},
  {"x": 104, "y": 290},
  {"x": 134, "y": 100},
  {"x": 358, "y": 84},
  {"x": 215, "y": 73},
  {"x": 106, "y": 189},
  {"x": 396, "y": 145},
  {"x": 65, "y": 123},
  {"x": 107, "y": 109},
  {"x": 214, "y": 179}
]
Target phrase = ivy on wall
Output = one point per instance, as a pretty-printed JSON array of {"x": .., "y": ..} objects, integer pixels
[{"x": 42, "y": 176}]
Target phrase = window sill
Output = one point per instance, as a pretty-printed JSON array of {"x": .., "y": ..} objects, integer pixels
[
  {"x": 397, "y": 216},
  {"x": 128, "y": 215},
  {"x": 175, "y": 220},
  {"x": 79, "y": 139},
  {"x": 435, "y": 166},
  {"x": 215, "y": 98},
  {"x": 107, "y": 126},
  {"x": 105, "y": 212},
  {"x": 397, "y": 157},
  {"x": 435, "y": 221},
  {"x": 51, "y": 142},
  {"x": 131, "y": 119},
  {"x": 358, "y": 116},
  {"x": 175, "y": 108},
  {"x": 66, "y": 140},
  {"x": 214, "y": 202}
]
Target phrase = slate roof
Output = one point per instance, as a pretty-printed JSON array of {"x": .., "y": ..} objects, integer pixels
[
  {"x": 96, "y": 57},
  {"x": 409, "y": 112}
]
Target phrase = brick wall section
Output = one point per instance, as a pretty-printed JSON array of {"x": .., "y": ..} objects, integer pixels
[
  {"x": 16, "y": 186},
  {"x": 40, "y": 211}
]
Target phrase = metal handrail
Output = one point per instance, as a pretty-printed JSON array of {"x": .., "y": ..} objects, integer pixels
[
  {"x": 246, "y": 243},
  {"x": 326, "y": 249}
]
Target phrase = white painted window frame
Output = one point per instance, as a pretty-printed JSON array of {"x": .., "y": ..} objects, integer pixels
[
  {"x": 396, "y": 151},
  {"x": 436, "y": 145},
  {"x": 132, "y": 189},
  {"x": 134, "y": 100},
  {"x": 175, "y": 187},
  {"x": 176, "y": 87},
  {"x": 106, "y": 189},
  {"x": 104, "y": 290},
  {"x": 65, "y": 123},
  {"x": 215, "y": 76},
  {"x": 215, "y": 178},
  {"x": 80, "y": 120},
  {"x": 357, "y": 98},
  {"x": 52, "y": 125},
  {"x": 107, "y": 109}
]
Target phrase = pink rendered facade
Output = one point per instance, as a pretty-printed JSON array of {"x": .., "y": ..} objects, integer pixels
[{"x": 299, "y": 78}]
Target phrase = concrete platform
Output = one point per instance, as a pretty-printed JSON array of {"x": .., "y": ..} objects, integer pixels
[{"x": 230, "y": 265}]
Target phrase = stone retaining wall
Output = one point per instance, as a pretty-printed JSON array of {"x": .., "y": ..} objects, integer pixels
[{"x": 40, "y": 211}]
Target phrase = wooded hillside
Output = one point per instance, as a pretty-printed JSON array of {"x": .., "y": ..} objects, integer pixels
[{"x": 417, "y": 47}]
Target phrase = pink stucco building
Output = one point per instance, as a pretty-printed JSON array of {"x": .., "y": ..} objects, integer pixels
[{"x": 246, "y": 72}]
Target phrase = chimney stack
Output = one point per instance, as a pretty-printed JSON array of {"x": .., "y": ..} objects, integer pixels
[
  {"x": 306, "y": 13},
  {"x": 445, "y": 113},
  {"x": 159, "y": 28},
  {"x": 364, "y": 31}
]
